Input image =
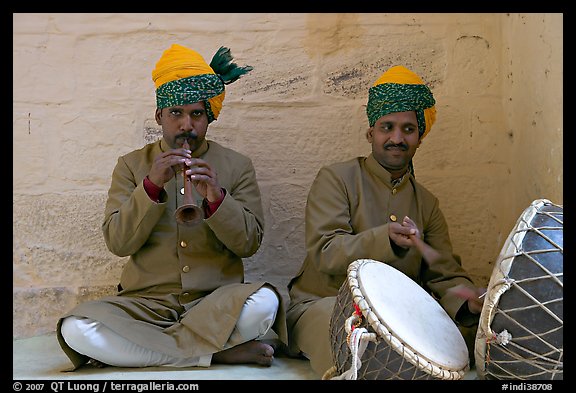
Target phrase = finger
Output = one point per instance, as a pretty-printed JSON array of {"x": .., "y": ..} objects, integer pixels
[
  {"x": 176, "y": 153},
  {"x": 197, "y": 179},
  {"x": 172, "y": 161},
  {"x": 200, "y": 176},
  {"x": 406, "y": 231},
  {"x": 198, "y": 162},
  {"x": 408, "y": 221}
]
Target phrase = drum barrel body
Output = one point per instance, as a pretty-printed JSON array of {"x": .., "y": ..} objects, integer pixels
[
  {"x": 520, "y": 334},
  {"x": 409, "y": 335},
  {"x": 380, "y": 360}
]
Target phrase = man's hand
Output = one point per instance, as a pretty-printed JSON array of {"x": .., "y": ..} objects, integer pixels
[
  {"x": 475, "y": 296},
  {"x": 429, "y": 254},
  {"x": 400, "y": 234},
  {"x": 204, "y": 178},
  {"x": 166, "y": 164}
]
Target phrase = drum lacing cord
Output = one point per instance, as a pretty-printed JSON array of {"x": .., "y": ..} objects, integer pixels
[
  {"x": 357, "y": 340},
  {"x": 504, "y": 337},
  {"x": 501, "y": 338},
  {"x": 540, "y": 362}
]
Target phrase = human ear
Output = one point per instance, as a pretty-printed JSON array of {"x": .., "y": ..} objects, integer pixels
[
  {"x": 369, "y": 134},
  {"x": 158, "y": 116}
]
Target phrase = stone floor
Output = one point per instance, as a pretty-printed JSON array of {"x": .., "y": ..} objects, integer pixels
[{"x": 40, "y": 358}]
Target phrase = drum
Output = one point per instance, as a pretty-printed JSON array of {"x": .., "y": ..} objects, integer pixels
[
  {"x": 520, "y": 333},
  {"x": 385, "y": 326}
]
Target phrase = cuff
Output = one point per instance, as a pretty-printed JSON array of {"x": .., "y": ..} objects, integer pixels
[
  {"x": 152, "y": 190},
  {"x": 211, "y": 207}
]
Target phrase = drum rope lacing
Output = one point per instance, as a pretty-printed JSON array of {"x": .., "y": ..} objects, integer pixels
[
  {"x": 542, "y": 361},
  {"x": 358, "y": 338}
]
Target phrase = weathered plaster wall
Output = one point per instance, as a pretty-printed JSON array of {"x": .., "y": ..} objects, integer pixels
[{"x": 83, "y": 95}]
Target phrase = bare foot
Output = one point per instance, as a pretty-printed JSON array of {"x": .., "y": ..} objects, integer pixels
[
  {"x": 250, "y": 352},
  {"x": 278, "y": 346}
]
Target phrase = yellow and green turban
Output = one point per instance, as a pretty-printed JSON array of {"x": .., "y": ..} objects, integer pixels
[
  {"x": 401, "y": 90},
  {"x": 183, "y": 77}
]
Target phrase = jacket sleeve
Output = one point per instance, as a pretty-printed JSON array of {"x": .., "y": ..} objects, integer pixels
[
  {"x": 130, "y": 215},
  {"x": 239, "y": 220},
  {"x": 447, "y": 272},
  {"x": 331, "y": 241}
]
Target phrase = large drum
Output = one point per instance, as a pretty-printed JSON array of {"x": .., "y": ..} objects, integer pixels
[
  {"x": 520, "y": 334},
  {"x": 385, "y": 326}
]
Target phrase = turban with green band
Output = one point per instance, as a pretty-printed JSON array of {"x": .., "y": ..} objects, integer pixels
[
  {"x": 401, "y": 90},
  {"x": 183, "y": 77}
]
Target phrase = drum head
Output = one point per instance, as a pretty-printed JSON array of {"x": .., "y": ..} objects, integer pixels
[{"x": 412, "y": 315}]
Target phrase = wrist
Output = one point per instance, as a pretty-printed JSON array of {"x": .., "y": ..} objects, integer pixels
[
  {"x": 216, "y": 200},
  {"x": 152, "y": 189},
  {"x": 155, "y": 182}
]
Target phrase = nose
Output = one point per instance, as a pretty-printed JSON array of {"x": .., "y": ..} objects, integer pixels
[
  {"x": 186, "y": 124},
  {"x": 396, "y": 136}
]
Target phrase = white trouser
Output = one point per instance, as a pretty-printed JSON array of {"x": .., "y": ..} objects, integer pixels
[{"x": 93, "y": 339}]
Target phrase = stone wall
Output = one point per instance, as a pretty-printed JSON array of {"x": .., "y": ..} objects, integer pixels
[{"x": 83, "y": 95}]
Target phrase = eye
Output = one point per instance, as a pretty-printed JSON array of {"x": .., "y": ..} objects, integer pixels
[{"x": 175, "y": 112}]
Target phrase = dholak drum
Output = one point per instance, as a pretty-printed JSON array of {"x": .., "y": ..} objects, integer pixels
[
  {"x": 385, "y": 326},
  {"x": 520, "y": 333}
]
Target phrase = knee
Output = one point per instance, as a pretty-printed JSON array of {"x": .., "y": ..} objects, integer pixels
[
  {"x": 70, "y": 331},
  {"x": 75, "y": 330},
  {"x": 265, "y": 302},
  {"x": 258, "y": 314}
]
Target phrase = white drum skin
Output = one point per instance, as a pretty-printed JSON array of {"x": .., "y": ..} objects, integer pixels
[{"x": 417, "y": 339}]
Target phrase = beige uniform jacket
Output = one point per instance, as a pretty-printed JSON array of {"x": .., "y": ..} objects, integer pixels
[
  {"x": 349, "y": 207},
  {"x": 190, "y": 280}
]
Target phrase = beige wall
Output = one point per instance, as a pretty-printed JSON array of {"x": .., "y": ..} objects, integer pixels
[{"x": 83, "y": 95}]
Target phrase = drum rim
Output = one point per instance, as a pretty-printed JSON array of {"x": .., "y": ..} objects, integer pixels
[
  {"x": 500, "y": 283},
  {"x": 421, "y": 361}
]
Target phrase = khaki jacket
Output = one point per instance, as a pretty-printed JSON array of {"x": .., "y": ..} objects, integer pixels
[
  {"x": 348, "y": 210},
  {"x": 166, "y": 257},
  {"x": 191, "y": 277}
]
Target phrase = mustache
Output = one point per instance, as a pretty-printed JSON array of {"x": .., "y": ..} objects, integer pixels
[
  {"x": 402, "y": 146},
  {"x": 187, "y": 135}
]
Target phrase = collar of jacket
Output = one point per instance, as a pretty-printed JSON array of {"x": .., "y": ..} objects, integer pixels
[{"x": 380, "y": 172}]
